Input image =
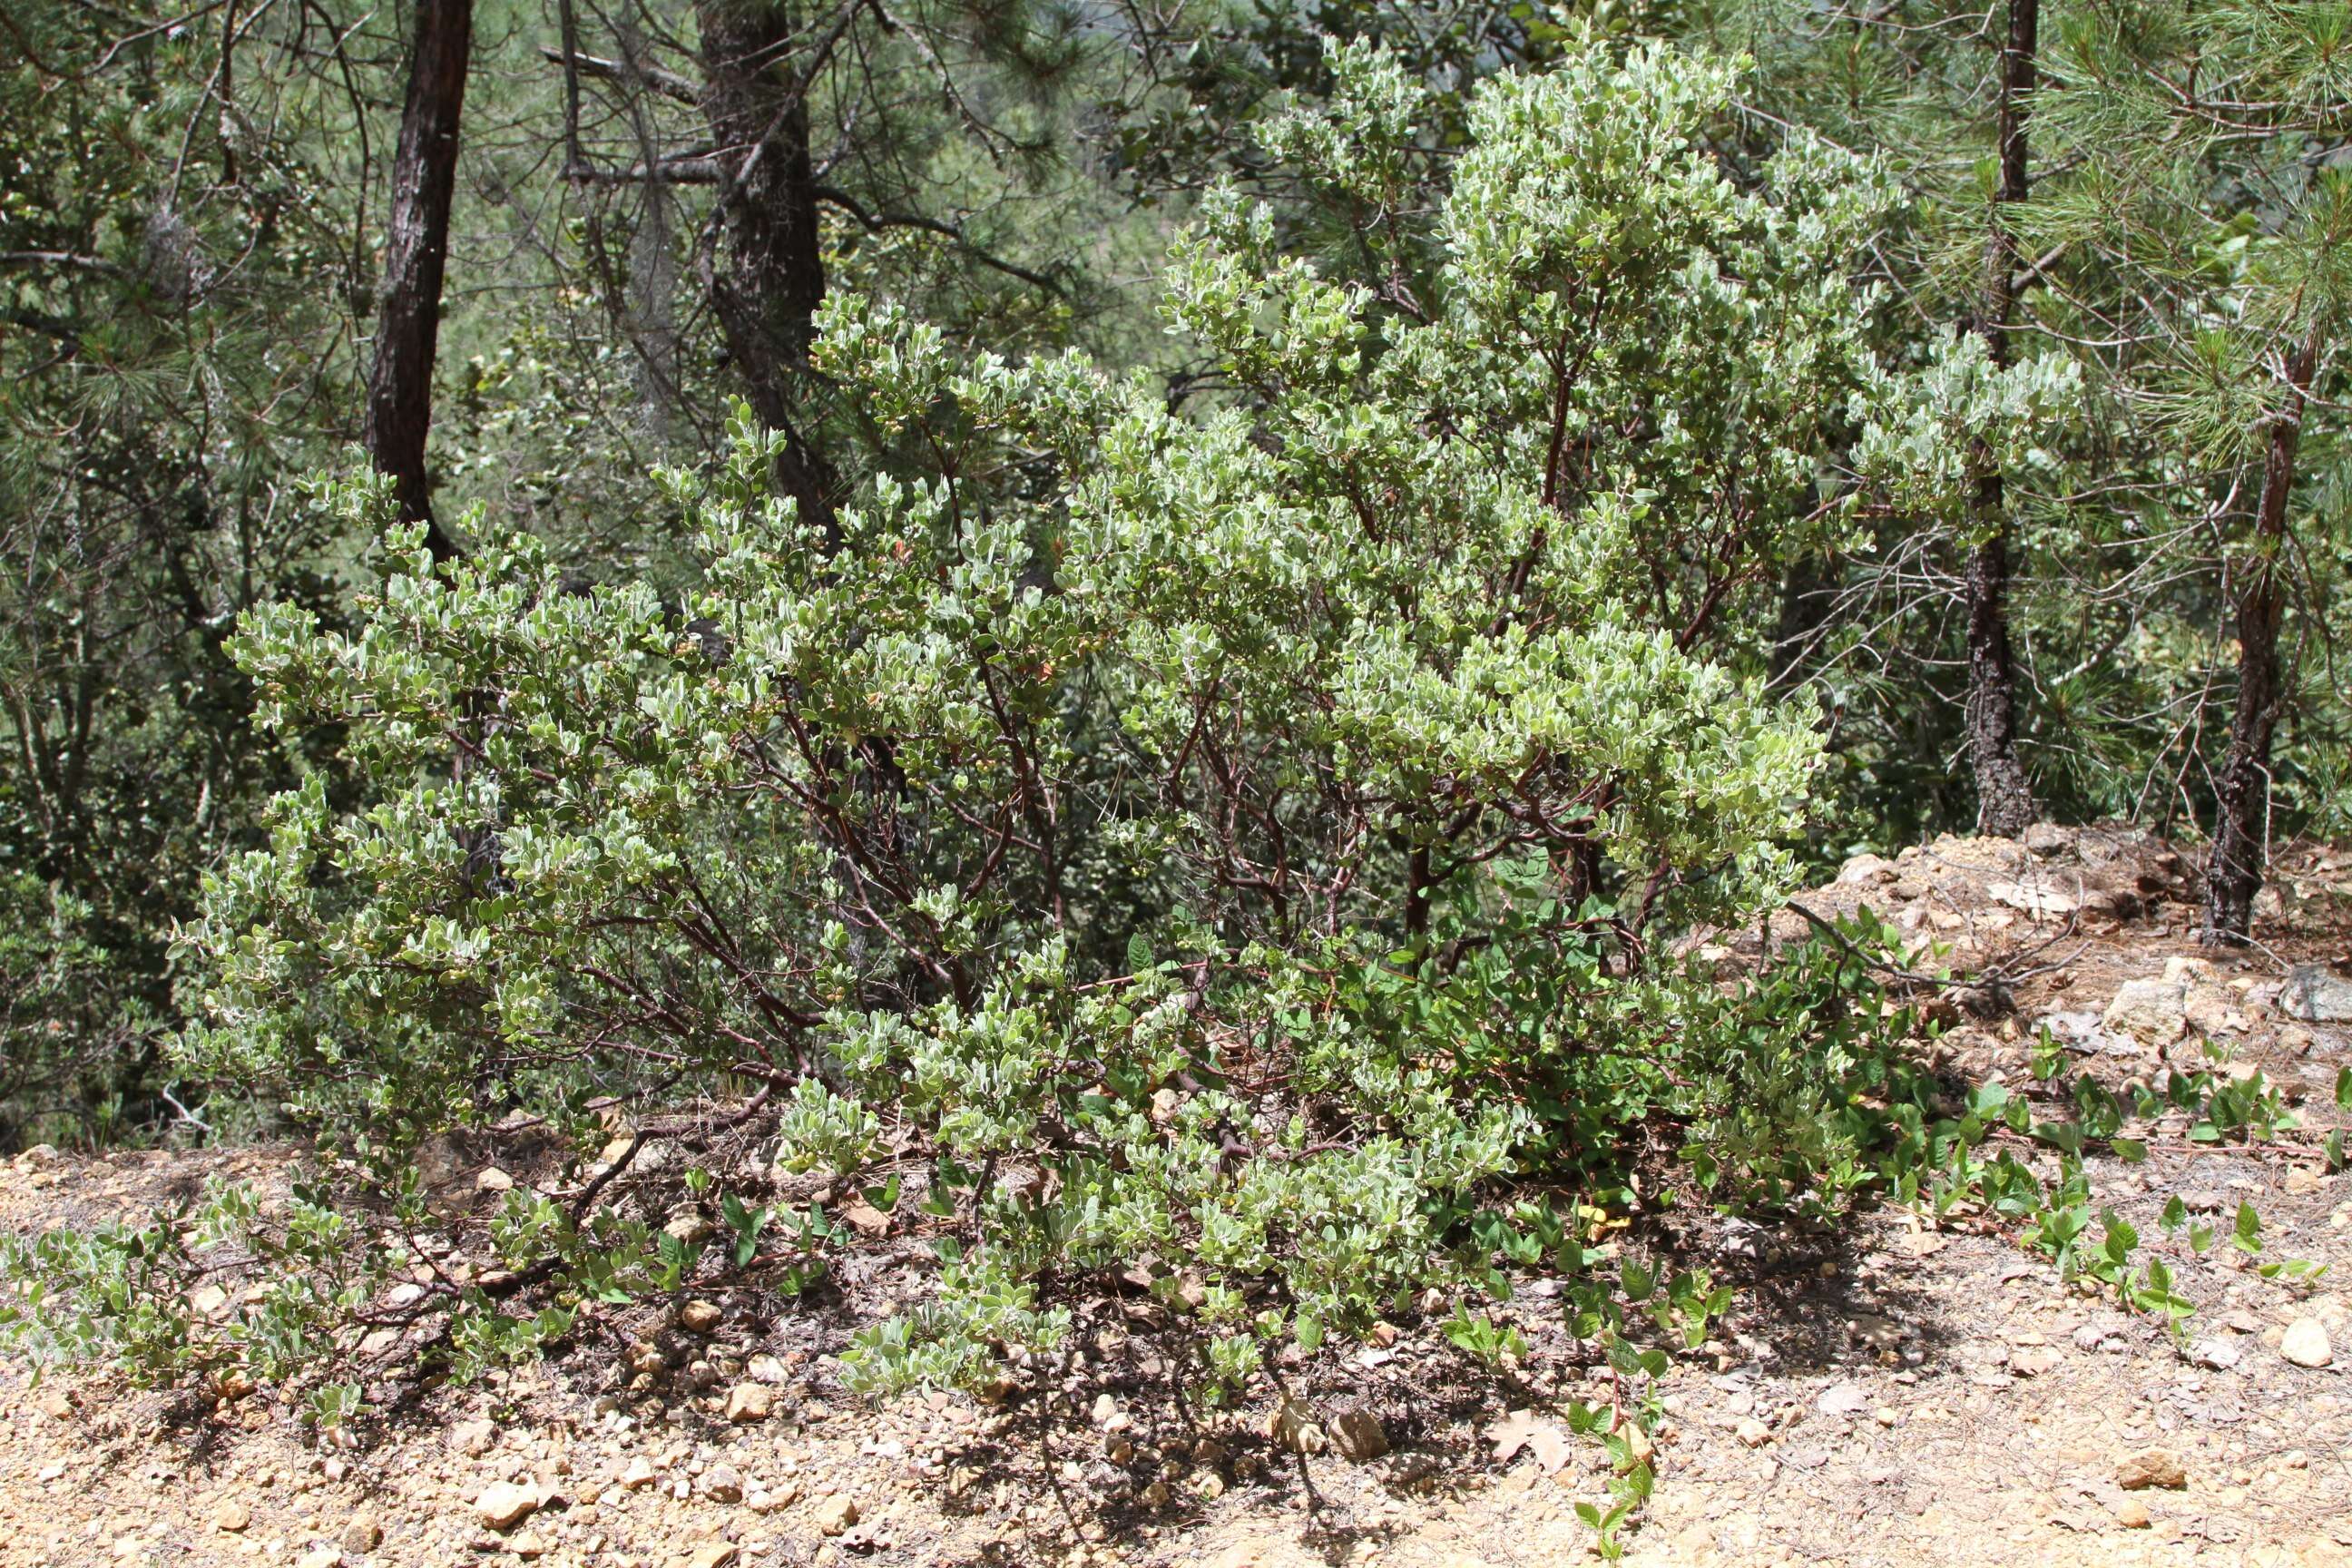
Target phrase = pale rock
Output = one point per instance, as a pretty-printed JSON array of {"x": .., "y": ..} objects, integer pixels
[
  {"x": 506, "y": 1505},
  {"x": 1292, "y": 1425},
  {"x": 639, "y": 1475},
  {"x": 1842, "y": 1399},
  {"x": 493, "y": 1180},
  {"x": 2132, "y": 1513},
  {"x": 701, "y": 1317},
  {"x": 232, "y": 1517},
  {"x": 712, "y": 1554},
  {"x": 320, "y": 1557},
  {"x": 473, "y": 1438},
  {"x": 767, "y": 1369},
  {"x": 2305, "y": 1343},
  {"x": 749, "y": 1402},
  {"x": 834, "y": 1514},
  {"x": 724, "y": 1483},
  {"x": 2154, "y": 1012},
  {"x": 1753, "y": 1433},
  {"x": 2036, "y": 895},
  {"x": 1865, "y": 870},
  {"x": 2218, "y": 1353},
  {"x": 2316, "y": 996},
  {"x": 769, "y": 1499}
]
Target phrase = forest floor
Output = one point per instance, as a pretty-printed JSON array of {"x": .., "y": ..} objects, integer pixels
[{"x": 1891, "y": 1395}]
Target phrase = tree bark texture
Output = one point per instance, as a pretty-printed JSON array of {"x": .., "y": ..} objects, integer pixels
[
  {"x": 2242, "y": 827},
  {"x": 2004, "y": 794},
  {"x": 408, "y": 327},
  {"x": 766, "y": 293}
]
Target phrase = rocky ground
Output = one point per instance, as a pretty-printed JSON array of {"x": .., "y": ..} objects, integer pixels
[{"x": 1901, "y": 1396}]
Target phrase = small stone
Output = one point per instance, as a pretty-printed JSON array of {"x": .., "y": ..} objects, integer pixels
[
  {"x": 1104, "y": 1408},
  {"x": 2035, "y": 1360},
  {"x": 2152, "y": 1468},
  {"x": 232, "y": 1517},
  {"x": 2151, "y": 1010},
  {"x": 1208, "y": 1486},
  {"x": 1753, "y": 1433},
  {"x": 2132, "y": 1514},
  {"x": 56, "y": 1406},
  {"x": 749, "y": 1402},
  {"x": 769, "y": 1499},
  {"x": 712, "y": 1554},
  {"x": 320, "y": 1557},
  {"x": 2316, "y": 995},
  {"x": 701, "y": 1317},
  {"x": 362, "y": 1534},
  {"x": 724, "y": 1483},
  {"x": 639, "y": 1475},
  {"x": 1842, "y": 1399},
  {"x": 834, "y": 1514},
  {"x": 767, "y": 1369},
  {"x": 2305, "y": 1343},
  {"x": 1293, "y": 1427},
  {"x": 506, "y": 1505},
  {"x": 473, "y": 1438},
  {"x": 493, "y": 1180},
  {"x": 1359, "y": 1436},
  {"x": 2220, "y": 1354}
]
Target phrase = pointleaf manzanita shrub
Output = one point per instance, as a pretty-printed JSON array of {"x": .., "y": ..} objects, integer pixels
[{"x": 1226, "y": 839}]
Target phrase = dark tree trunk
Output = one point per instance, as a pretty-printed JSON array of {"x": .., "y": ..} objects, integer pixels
[
  {"x": 424, "y": 176},
  {"x": 773, "y": 280},
  {"x": 1808, "y": 592},
  {"x": 2242, "y": 829},
  {"x": 2004, "y": 796}
]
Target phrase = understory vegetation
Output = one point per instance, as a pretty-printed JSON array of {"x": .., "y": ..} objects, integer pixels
[{"x": 1212, "y": 788}]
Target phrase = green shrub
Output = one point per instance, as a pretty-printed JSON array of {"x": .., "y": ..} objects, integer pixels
[{"x": 1229, "y": 839}]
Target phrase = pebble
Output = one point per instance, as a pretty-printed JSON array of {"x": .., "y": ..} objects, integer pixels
[
  {"x": 747, "y": 1401},
  {"x": 834, "y": 1514},
  {"x": 362, "y": 1534},
  {"x": 506, "y": 1505},
  {"x": 232, "y": 1517},
  {"x": 2305, "y": 1343},
  {"x": 2151, "y": 1468},
  {"x": 1358, "y": 1435},
  {"x": 701, "y": 1317}
]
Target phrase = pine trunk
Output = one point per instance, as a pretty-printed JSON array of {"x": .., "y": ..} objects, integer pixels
[
  {"x": 2004, "y": 796},
  {"x": 767, "y": 295},
  {"x": 423, "y": 179},
  {"x": 2242, "y": 829}
]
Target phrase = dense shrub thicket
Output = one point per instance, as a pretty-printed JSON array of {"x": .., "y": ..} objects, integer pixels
[
  {"x": 1249, "y": 828},
  {"x": 1220, "y": 816}
]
